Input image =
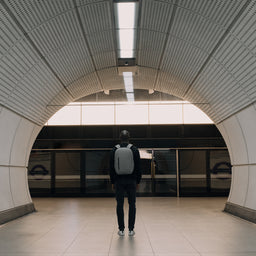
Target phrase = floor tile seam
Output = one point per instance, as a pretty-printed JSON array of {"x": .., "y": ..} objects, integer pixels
[
  {"x": 184, "y": 236},
  {"x": 74, "y": 239},
  {"x": 144, "y": 226},
  {"x": 28, "y": 244},
  {"x": 111, "y": 240}
]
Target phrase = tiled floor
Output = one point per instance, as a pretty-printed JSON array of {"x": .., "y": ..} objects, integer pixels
[{"x": 164, "y": 227}]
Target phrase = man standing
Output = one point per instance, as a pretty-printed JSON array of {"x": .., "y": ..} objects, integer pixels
[{"x": 125, "y": 176}]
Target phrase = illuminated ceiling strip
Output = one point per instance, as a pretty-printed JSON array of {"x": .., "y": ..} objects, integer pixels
[
  {"x": 126, "y": 29},
  {"x": 128, "y": 83}
]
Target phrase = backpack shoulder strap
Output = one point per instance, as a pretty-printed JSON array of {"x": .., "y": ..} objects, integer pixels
[
  {"x": 117, "y": 146},
  {"x": 129, "y": 145}
]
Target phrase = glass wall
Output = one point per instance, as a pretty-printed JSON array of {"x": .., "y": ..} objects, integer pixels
[
  {"x": 97, "y": 172},
  {"x": 165, "y": 172},
  {"x": 67, "y": 170},
  {"x": 193, "y": 172}
]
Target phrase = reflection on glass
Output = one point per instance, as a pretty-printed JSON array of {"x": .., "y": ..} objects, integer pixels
[
  {"x": 97, "y": 172},
  {"x": 39, "y": 171},
  {"x": 165, "y": 170},
  {"x": 67, "y": 167},
  {"x": 220, "y": 168},
  {"x": 192, "y": 172}
]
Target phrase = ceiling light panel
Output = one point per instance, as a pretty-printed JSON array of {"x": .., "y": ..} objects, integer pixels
[{"x": 126, "y": 25}]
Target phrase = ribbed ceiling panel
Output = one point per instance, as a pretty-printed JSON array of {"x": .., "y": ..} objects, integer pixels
[
  {"x": 59, "y": 100},
  {"x": 145, "y": 78},
  {"x": 62, "y": 43},
  {"x": 196, "y": 29},
  {"x": 97, "y": 23},
  {"x": 168, "y": 83},
  {"x": 150, "y": 46},
  {"x": 103, "y": 50},
  {"x": 10, "y": 34},
  {"x": 105, "y": 60},
  {"x": 26, "y": 85},
  {"x": 32, "y": 14},
  {"x": 71, "y": 61},
  {"x": 85, "y": 86},
  {"x": 183, "y": 61},
  {"x": 193, "y": 35},
  {"x": 33, "y": 92},
  {"x": 110, "y": 79},
  {"x": 228, "y": 81},
  {"x": 95, "y": 17},
  {"x": 156, "y": 15},
  {"x": 220, "y": 12},
  {"x": 57, "y": 35}
]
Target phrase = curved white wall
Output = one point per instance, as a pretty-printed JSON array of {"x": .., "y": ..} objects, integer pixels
[
  {"x": 17, "y": 136},
  {"x": 240, "y": 136}
]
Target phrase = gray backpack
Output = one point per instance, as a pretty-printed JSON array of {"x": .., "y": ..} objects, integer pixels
[{"x": 124, "y": 163}]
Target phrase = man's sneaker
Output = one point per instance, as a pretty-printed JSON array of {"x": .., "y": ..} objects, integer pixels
[
  {"x": 131, "y": 233},
  {"x": 120, "y": 233}
]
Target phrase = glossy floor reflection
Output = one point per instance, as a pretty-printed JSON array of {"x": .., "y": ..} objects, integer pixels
[{"x": 164, "y": 227}]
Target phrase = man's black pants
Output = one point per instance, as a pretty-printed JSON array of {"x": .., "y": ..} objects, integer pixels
[{"x": 130, "y": 188}]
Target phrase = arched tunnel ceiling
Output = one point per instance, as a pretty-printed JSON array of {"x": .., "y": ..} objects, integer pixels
[{"x": 54, "y": 52}]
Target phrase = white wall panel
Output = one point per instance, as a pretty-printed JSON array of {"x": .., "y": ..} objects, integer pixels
[
  {"x": 240, "y": 175},
  {"x": 20, "y": 143},
  {"x": 247, "y": 120},
  {"x": 33, "y": 135},
  {"x": 18, "y": 182},
  {"x": 237, "y": 141},
  {"x": 250, "y": 200},
  {"x": 6, "y": 201},
  {"x": 9, "y": 122},
  {"x": 225, "y": 135}
]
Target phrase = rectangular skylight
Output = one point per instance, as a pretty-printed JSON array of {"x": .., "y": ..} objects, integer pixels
[{"x": 126, "y": 28}]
